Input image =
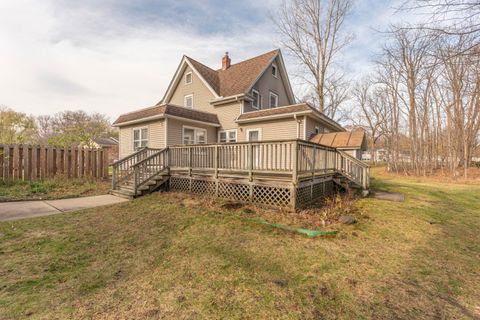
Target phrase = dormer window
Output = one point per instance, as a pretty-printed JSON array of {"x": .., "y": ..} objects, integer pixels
[
  {"x": 274, "y": 70},
  {"x": 273, "y": 98},
  {"x": 188, "y": 101},
  {"x": 256, "y": 99},
  {"x": 188, "y": 78},
  {"x": 317, "y": 129}
]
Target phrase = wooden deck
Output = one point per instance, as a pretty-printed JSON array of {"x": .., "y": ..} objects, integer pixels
[{"x": 286, "y": 173}]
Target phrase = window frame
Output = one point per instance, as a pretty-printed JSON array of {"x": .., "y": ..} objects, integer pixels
[
  {"x": 270, "y": 95},
  {"x": 256, "y": 107},
  {"x": 227, "y": 132},
  {"x": 259, "y": 130},
  {"x": 195, "y": 129},
  {"x": 317, "y": 129},
  {"x": 191, "y": 77},
  {"x": 275, "y": 67},
  {"x": 185, "y": 97},
  {"x": 141, "y": 138}
]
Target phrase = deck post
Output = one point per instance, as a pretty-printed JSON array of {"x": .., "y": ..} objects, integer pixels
[
  {"x": 190, "y": 161},
  {"x": 215, "y": 161},
  {"x": 250, "y": 162},
  {"x": 293, "y": 195}
]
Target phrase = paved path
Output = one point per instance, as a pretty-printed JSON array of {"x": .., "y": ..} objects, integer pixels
[{"x": 30, "y": 209}]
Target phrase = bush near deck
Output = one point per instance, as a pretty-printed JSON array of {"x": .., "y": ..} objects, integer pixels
[
  {"x": 54, "y": 188},
  {"x": 163, "y": 257}
]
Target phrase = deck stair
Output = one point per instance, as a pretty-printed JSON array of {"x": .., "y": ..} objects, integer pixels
[{"x": 283, "y": 173}]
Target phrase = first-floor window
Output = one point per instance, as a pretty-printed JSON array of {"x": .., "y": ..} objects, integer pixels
[
  {"x": 225, "y": 136},
  {"x": 140, "y": 138},
  {"x": 194, "y": 135}
]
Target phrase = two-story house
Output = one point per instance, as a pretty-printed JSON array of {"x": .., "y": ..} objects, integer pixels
[{"x": 247, "y": 101}]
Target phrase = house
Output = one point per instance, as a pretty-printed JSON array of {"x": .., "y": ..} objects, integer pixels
[
  {"x": 110, "y": 144},
  {"x": 247, "y": 101},
  {"x": 235, "y": 132}
]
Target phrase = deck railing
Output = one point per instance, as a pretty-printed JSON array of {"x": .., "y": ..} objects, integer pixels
[
  {"x": 123, "y": 169},
  {"x": 294, "y": 160}
]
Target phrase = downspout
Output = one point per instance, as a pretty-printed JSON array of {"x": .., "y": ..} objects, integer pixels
[{"x": 298, "y": 125}]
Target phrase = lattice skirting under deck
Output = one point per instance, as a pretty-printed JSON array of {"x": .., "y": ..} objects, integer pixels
[{"x": 277, "y": 195}]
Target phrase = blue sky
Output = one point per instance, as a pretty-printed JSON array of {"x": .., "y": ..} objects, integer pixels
[{"x": 114, "y": 56}]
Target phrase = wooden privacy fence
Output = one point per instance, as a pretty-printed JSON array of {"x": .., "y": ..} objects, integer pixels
[{"x": 27, "y": 162}]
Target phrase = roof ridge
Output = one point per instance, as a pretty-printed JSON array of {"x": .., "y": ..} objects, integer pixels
[{"x": 246, "y": 60}]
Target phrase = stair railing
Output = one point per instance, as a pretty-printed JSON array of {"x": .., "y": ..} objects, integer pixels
[
  {"x": 123, "y": 169},
  {"x": 353, "y": 169},
  {"x": 149, "y": 167}
]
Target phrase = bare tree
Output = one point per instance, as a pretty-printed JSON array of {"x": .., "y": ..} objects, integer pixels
[{"x": 313, "y": 33}]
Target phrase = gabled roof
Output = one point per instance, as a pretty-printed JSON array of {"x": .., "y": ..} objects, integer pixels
[
  {"x": 105, "y": 141},
  {"x": 237, "y": 79},
  {"x": 165, "y": 111},
  {"x": 342, "y": 140},
  {"x": 287, "y": 111}
]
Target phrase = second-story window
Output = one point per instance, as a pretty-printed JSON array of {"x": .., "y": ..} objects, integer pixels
[
  {"x": 188, "y": 78},
  {"x": 256, "y": 99},
  {"x": 188, "y": 101},
  {"x": 273, "y": 100},
  {"x": 274, "y": 70}
]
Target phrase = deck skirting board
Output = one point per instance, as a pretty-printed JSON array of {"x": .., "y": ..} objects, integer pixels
[{"x": 274, "y": 193}]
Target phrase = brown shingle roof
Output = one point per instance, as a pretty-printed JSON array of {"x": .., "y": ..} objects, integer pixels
[
  {"x": 350, "y": 139},
  {"x": 238, "y": 78},
  {"x": 275, "y": 111},
  {"x": 168, "y": 109}
]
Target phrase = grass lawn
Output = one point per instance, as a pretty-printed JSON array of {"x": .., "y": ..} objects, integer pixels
[
  {"x": 54, "y": 188},
  {"x": 164, "y": 256}
]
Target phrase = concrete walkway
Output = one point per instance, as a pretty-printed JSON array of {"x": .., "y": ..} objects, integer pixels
[{"x": 30, "y": 209}]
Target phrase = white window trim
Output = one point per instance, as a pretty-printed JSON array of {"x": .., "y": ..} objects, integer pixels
[
  {"x": 259, "y": 100},
  {"x": 133, "y": 136},
  {"x": 256, "y": 129},
  {"x": 227, "y": 131},
  {"x": 270, "y": 94},
  {"x": 191, "y": 77},
  {"x": 194, "y": 134},
  {"x": 274, "y": 66},
  {"x": 185, "y": 100}
]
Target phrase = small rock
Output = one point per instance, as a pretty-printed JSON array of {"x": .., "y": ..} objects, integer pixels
[{"x": 347, "y": 219}]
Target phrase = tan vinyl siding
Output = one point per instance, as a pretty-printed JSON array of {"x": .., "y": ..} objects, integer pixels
[
  {"x": 175, "y": 131},
  {"x": 267, "y": 83},
  {"x": 156, "y": 136},
  {"x": 227, "y": 114},
  {"x": 279, "y": 129},
  {"x": 201, "y": 94}
]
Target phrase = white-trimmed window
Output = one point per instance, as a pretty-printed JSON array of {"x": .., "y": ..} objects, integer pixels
[
  {"x": 188, "y": 101},
  {"x": 274, "y": 70},
  {"x": 317, "y": 129},
  {"x": 225, "y": 136},
  {"x": 188, "y": 78},
  {"x": 256, "y": 99},
  {"x": 140, "y": 138},
  {"x": 273, "y": 99},
  {"x": 192, "y": 135},
  {"x": 254, "y": 134}
]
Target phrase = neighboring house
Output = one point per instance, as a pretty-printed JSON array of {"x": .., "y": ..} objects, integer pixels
[
  {"x": 235, "y": 133},
  {"x": 111, "y": 144},
  {"x": 381, "y": 155},
  {"x": 353, "y": 142},
  {"x": 247, "y": 101}
]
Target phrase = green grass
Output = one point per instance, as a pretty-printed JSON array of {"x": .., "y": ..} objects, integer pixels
[
  {"x": 54, "y": 188},
  {"x": 168, "y": 256}
]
